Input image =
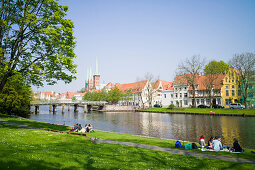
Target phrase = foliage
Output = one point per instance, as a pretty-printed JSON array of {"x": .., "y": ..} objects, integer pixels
[
  {"x": 113, "y": 96},
  {"x": 171, "y": 106},
  {"x": 37, "y": 41},
  {"x": 245, "y": 64},
  {"x": 16, "y": 96},
  {"x": 73, "y": 98},
  {"x": 216, "y": 67}
]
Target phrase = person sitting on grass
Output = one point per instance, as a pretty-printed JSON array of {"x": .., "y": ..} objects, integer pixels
[
  {"x": 216, "y": 143},
  {"x": 236, "y": 146},
  {"x": 202, "y": 141},
  {"x": 210, "y": 143}
]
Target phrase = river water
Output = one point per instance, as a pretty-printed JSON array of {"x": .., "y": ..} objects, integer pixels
[{"x": 160, "y": 125}]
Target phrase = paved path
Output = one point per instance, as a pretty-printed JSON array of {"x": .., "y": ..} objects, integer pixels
[{"x": 157, "y": 148}]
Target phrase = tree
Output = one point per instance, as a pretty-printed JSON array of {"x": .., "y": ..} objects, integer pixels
[
  {"x": 16, "y": 96},
  {"x": 36, "y": 40},
  {"x": 114, "y": 95},
  {"x": 212, "y": 71},
  {"x": 190, "y": 70},
  {"x": 245, "y": 64}
]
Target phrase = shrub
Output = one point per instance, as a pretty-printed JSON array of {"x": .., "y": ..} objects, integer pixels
[{"x": 171, "y": 106}]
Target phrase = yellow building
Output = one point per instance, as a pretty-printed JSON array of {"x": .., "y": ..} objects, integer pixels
[{"x": 230, "y": 90}]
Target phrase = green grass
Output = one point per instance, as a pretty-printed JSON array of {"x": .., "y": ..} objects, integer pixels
[
  {"x": 102, "y": 135},
  {"x": 37, "y": 149},
  {"x": 204, "y": 110}
]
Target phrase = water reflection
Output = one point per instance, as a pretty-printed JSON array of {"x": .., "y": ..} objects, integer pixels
[{"x": 170, "y": 126}]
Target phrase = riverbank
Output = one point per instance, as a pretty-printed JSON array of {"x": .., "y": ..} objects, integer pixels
[
  {"x": 204, "y": 111},
  {"x": 124, "y": 137}
]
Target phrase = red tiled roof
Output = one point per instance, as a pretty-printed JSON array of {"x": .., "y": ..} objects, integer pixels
[
  {"x": 165, "y": 84},
  {"x": 134, "y": 87}
]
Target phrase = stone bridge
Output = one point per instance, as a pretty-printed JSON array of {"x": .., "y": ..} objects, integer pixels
[{"x": 87, "y": 105}]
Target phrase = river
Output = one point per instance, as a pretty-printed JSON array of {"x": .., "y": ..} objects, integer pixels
[{"x": 160, "y": 125}]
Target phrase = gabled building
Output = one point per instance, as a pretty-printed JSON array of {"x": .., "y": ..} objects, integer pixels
[
  {"x": 167, "y": 94},
  {"x": 231, "y": 89},
  {"x": 138, "y": 90},
  {"x": 181, "y": 92},
  {"x": 208, "y": 91}
]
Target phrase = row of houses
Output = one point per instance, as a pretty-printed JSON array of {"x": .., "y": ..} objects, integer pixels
[
  {"x": 225, "y": 90},
  {"x": 44, "y": 95}
]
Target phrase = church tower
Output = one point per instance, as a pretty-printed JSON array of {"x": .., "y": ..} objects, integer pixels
[{"x": 96, "y": 78}]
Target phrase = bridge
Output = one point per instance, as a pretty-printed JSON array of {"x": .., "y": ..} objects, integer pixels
[{"x": 87, "y": 105}]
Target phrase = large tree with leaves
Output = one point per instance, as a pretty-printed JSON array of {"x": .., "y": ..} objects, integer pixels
[
  {"x": 245, "y": 64},
  {"x": 213, "y": 70},
  {"x": 36, "y": 41}
]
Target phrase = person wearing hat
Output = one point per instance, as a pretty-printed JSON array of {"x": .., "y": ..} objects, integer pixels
[{"x": 216, "y": 143}]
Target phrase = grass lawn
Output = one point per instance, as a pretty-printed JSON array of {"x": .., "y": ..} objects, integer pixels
[
  {"x": 204, "y": 110},
  {"x": 37, "y": 149}
]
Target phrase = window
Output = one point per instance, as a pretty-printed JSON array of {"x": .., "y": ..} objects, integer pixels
[
  {"x": 227, "y": 101},
  {"x": 232, "y": 81},
  {"x": 198, "y": 101},
  {"x": 208, "y": 101},
  {"x": 239, "y": 86},
  {"x": 176, "y": 95},
  {"x": 180, "y": 95},
  {"x": 172, "y": 96},
  {"x": 239, "y": 92},
  {"x": 185, "y": 88},
  {"x": 185, "y": 94},
  {"x": 226, "y": 87},
  {"x": 186, "y": 102},
  {"x": 165, "y": 95},
  {"x": 233, "y": 86},
  {"x": 172, "y": 102},
  {"x": 233, "y": 92},
  {"x": 219, "y": 101},
  {"x": 227, "y": 93},
  {"x": 202, "y": 101}
]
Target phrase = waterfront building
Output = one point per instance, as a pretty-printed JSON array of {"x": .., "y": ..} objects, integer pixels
[
  {"x": 139, "y": 91},
  {"x": 181, "y": 95},
  {"x": 231, "y": 88},
  {"x": 207, "y": 91},
  {"x": 163, "y": 93},
  {"x": 250, "y": 100}
]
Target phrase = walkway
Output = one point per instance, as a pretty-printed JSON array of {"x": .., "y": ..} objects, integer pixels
[{"x": 157, "y": 148}]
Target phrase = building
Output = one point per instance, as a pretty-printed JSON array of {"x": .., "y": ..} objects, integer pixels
[
  {"x": 93, "y": 81},
  {"x": 167, "y": 94},
  {"x": 181, "y": 92},
  {"x": 208, "y": 90},
  {"x": 231, "y": 91},
  {"x": 250, "y": 100}
]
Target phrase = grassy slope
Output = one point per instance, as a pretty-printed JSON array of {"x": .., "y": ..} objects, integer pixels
[
  {"x": 37, "y": 149},
  {"x": 202, "y": 110}
]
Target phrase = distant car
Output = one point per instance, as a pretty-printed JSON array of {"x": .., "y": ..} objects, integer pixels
[
  {"x": 236, "y": 106},
  {"x": 202, "y": 106},
  {"x": 216, "y": 106},
  {"x": 157, "y": 105}
]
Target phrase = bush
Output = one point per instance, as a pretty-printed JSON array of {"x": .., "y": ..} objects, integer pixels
[
  {"x": 16, "y": 96},
  {"x": 171, "y": 106}
]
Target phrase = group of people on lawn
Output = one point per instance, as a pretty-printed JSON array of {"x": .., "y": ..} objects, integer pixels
[
  {"x": 215, "y": 144},
  {"x": 78, "y": 128}
]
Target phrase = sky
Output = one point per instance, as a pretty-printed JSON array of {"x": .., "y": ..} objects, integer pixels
[{"x": 130, "y": 38}]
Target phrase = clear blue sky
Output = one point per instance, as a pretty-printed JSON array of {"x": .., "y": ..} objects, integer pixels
[{"x": 132, "y": 37}]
